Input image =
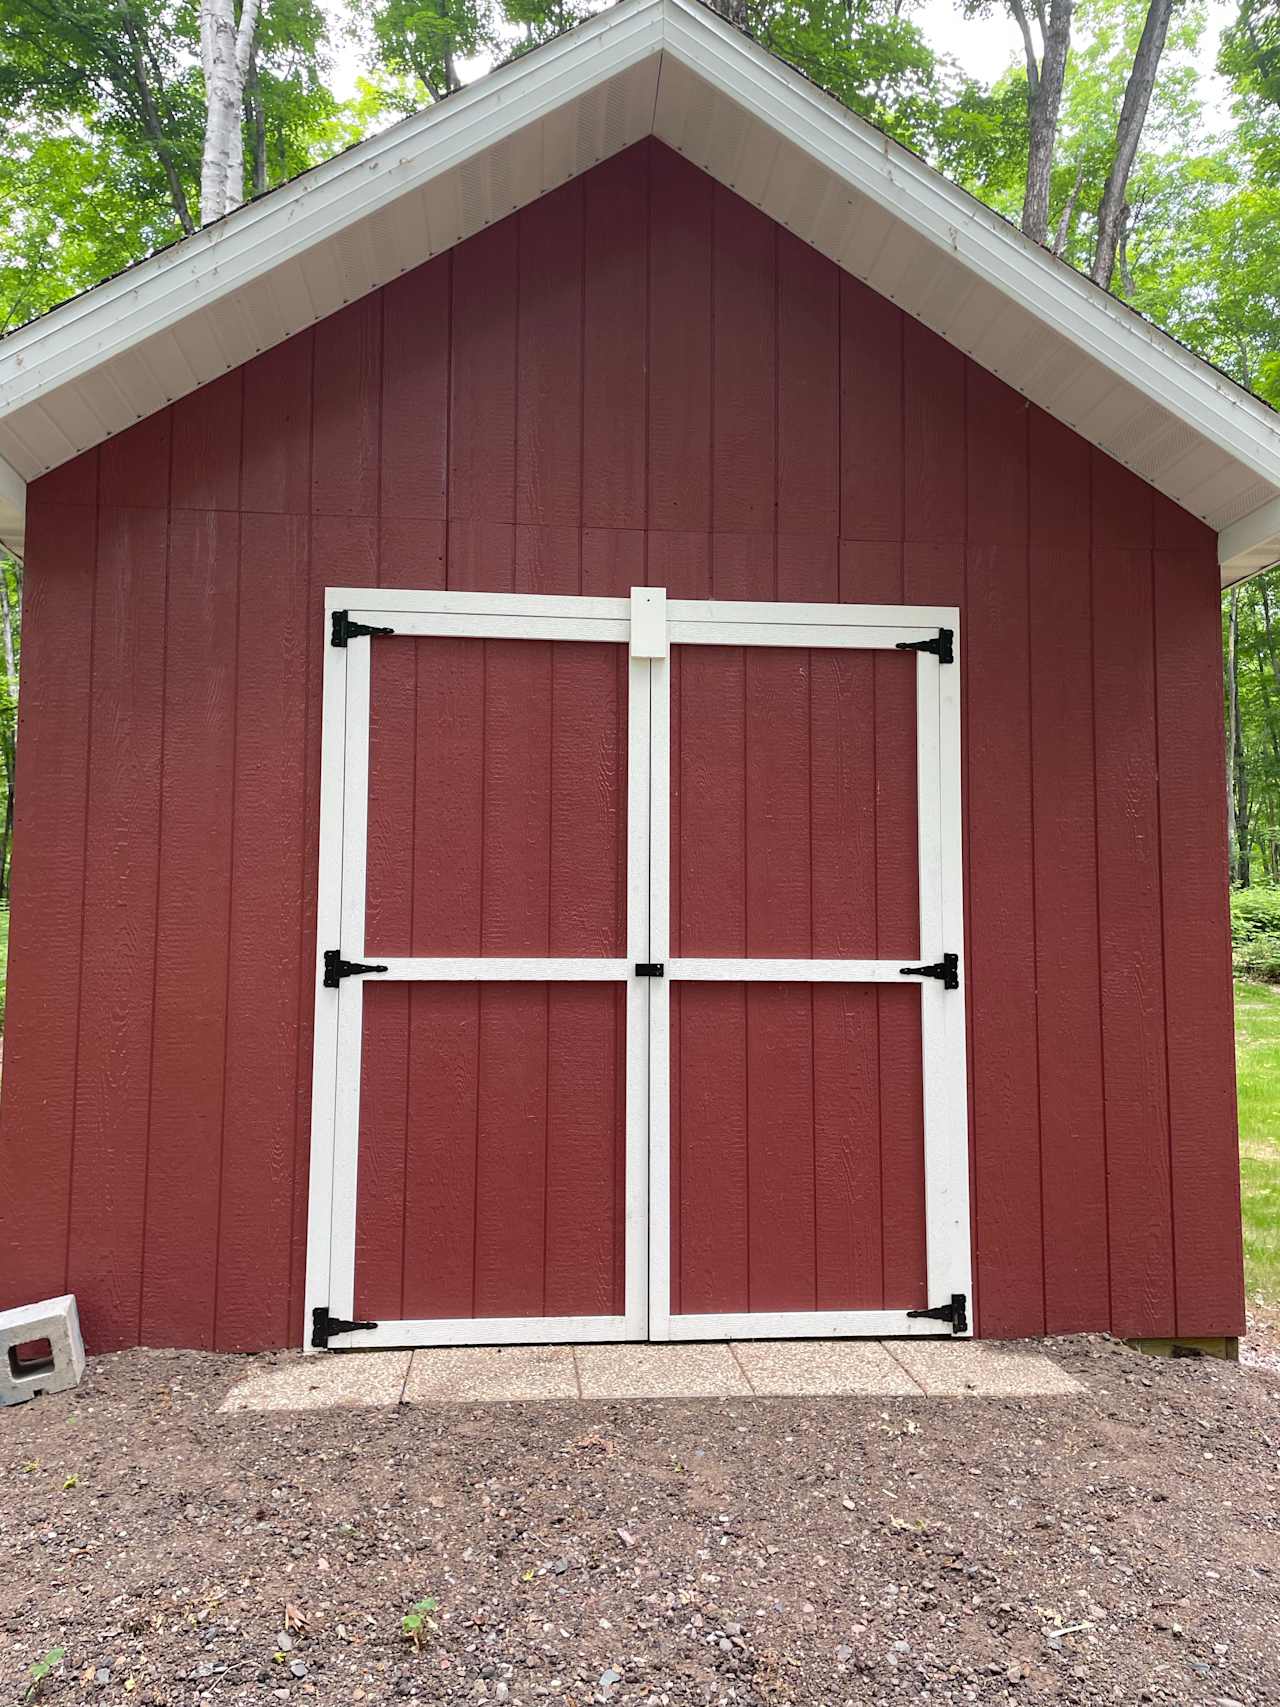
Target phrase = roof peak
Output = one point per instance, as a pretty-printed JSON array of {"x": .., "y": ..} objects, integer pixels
[{"x": 675, "y": 70}]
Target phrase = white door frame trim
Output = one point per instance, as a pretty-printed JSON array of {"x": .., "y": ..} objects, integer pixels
[
  {"x": 340, "y": 914},
  {"x": 942, "y": 1012}
]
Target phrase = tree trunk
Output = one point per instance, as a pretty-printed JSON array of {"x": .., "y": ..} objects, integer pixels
[
  {"x": 1068, "y": 216},
  {"x": 256, "y": 118},
  {"x": 155, "y": 130},
  {"x": 225, "y": 49},
  {"x": 1044, "y": 99},
  {"x": 1133, "y": 115}
]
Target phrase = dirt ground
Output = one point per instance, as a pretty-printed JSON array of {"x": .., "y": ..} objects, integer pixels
[{"x": 1122, "y": 1545}]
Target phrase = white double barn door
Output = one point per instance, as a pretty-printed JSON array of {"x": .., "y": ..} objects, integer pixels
[{"x": 640, "y": 997}]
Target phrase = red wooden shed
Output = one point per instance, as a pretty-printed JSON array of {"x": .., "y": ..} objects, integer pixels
[{"x": 621, "y": 737}]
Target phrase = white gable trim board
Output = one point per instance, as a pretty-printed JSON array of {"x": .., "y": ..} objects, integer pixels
[{"x": 674, "y": 70}]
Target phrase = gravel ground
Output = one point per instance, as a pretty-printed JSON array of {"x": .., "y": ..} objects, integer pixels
[{"x": 1122, "y": 1545}]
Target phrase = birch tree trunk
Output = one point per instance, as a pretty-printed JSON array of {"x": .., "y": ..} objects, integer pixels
[
  {"x": 1133, "y": 115},
  {"x": 225, "y": 51},
  {"x": 1044, "y": 100}
]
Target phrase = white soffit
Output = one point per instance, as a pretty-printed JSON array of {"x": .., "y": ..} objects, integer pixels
[{"x": 675, "y": 70}]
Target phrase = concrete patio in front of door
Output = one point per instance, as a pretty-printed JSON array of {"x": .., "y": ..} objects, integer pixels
[{"x": 739, "y": 1369}]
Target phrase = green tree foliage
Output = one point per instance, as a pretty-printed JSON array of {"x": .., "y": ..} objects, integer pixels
[{"x": 103, "y": 107}]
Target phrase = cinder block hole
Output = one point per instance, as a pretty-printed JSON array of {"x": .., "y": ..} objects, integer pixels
[{"x": 32, "y": 1357}]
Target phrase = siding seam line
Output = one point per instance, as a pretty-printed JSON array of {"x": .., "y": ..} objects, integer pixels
[
  {"x": 1097, "y": 880},
  {"x": 1035, "y": 866},
  {"x": 84, "y": 868},
  {"x": 159, "y": 864}
]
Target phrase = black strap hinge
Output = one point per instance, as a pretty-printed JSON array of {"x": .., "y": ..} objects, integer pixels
[
  {"x": 943, "y": 645},
  {"x": 956, "y": 1312},
  {"x": 650, "y": 969},
  {"x": 948, "y": 969},
  {"x": 336, "y": 968},
  {"x": 324, "y": 1326},
  {"x": 344, "y": 629}
]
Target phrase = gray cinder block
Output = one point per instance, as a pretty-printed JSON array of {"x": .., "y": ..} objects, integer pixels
[{"x": 55, "y": 1321}]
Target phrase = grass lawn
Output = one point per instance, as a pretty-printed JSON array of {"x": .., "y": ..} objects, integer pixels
[{"x": 1258, "y": 1062}]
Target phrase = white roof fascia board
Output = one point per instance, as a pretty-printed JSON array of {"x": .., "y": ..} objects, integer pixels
[
  {"x": 13, "y": 509},
  {"x": 915, "y": 193},
  {"x": 1251, "y": 544},
  {"x": 222, "y": 258}
]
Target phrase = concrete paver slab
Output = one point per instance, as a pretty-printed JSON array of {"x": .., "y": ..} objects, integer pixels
[
  {"x": 349, "y": 1378},
  {"x": 796, "y": 1367},
  {"x": 659, "y": 1372},
  {"x": 982, "y": 1369},
  {"x": 448, "y": 1374}
]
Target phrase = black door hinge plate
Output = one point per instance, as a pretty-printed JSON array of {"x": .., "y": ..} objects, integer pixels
[
  {"x": 650, "y": 969},
  {"x": 943, "y": 645},
  {"x": 948, "y": 969},
  {"x": 324, "y": 1326},
  {"x": 344, "y": 629},
  {"x": 956, "y": 1312},
  {"x": 336, "y": 968}
]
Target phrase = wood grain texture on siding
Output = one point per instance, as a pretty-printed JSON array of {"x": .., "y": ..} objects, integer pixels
[{"x": 638, "y": 379}]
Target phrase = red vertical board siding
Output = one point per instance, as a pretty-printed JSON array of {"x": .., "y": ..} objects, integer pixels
[
  {"x": 680, "y": 344},
  {"x": 122, "y": 843},
  {"x": 744, "y": 313},
  {"x": 808, "y": 403},
  {"x": 549, "y": 361},
  {"x": 709, "y": 1023},
  {"x": 1001, "y": 953},
  {"x": 899, "y": 1056},
  {"x": 482, "y": 377},
  {"x": 384, "y": 1077},
  {"x": 275, "y": 471},
  {"x": 1073, "y": 1157},
  {"x": 347, "y": 402},
  {"x": 846, "y": 1029},
  {"x": 415, "y": 394},
  {"x": 614, "y": 356},
  {"x": 1130, "y": 924},
  {"x": 37, "y": 1113},
  {"x": 185, "y": 1119},
  {"x": 871, "y": 436},
  {"x": 264, "y": 1154},
  {"x": 636, "y": 380},
  {"x": 1197, "y": 934},
  {"x": 781, "y": 1255},
  {"x": 444, "y": 1019}
]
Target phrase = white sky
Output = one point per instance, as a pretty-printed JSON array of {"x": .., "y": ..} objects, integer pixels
[
  {"x": 984, "y": 47},
  {"x": 987, "y": 46}
]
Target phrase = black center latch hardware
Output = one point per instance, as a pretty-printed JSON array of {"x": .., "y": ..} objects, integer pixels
[
  {"x": 344, "y": 629},
  {"x": 948, "y": 969},
  {"x": 336, "y": 968},
  {"x": 650, "y": 969},
  {"x": 943, "y": 646},
  {"x": 324, "y": 1326},
  {"x": 956, "y": 1312}
]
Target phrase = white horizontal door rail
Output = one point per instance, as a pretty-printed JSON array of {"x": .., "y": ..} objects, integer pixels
[
  {"x": 763, "y": 971},
  {"x": 492, "y": 968}
]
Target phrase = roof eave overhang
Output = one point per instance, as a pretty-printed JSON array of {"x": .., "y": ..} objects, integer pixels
[{"x": 673, "y": 69}]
